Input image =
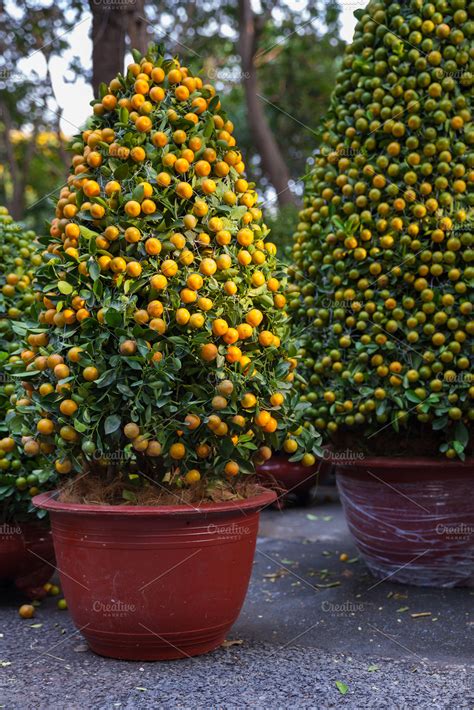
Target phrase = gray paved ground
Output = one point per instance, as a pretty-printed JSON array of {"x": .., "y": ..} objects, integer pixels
[{"x": 309, "y": 622}]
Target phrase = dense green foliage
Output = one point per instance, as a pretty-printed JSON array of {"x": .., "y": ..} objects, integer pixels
[
  {"x": 383, "y": 252},
  {"x": 20, "y": 477},
  {"x": 161, "y": 352}
]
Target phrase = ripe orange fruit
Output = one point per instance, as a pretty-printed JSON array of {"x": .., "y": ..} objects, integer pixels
[
  {"x": 265, "y": 338},
  {"x": 208, "y": 267},
  {"x": 68, "y": 407},
  {"x": 254, "y": 317},
  {"x": 177, "y": 451},
  {"x": 90, "y": 374},
  {"x": 26, "y": 611},
  {"x": 248, "y": 401},
  {"x": 169, "y": 268},
  {"x": 233, "y": 354},
  {"x": 131, "y": 430},
  {"x": 231, "y": 468},
  {"x": 163, "y": 179},
  {"x": 132, "y": 208},
  {"x": 153, "y": 246},
  {"x": 208, "y": 352},
  {"x": 192, "y": 477},
  {"x": 63, "y": 466},
  {"x": 219, "y": 326},
  {"x": 45, "y": 427},
  {"x": 61, "y": 371},
  {"x": 143, "y": 124},
  {"x": 158, "y": 282},
  {"x": 262, "y": 418},
  {"x": 277, "y": 399},
  {"x": 184, "y": 190}
]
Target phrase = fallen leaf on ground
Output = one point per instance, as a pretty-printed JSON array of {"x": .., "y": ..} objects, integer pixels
[
  {"x": 272, "y": 576},
  {"x": 232, "y": 642},
  {"x": 373, "y": 668},
  {"x": 82, "y": 648},
  {"x": 342, "y": 687}
]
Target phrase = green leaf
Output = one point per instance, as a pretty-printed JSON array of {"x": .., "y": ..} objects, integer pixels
[
  {"x": 122, "y": 172},
  {"x": 342, "y": 687},
  {"x": 113, "y": 318},
  {"x": 87, "y": 233},
  {"x": 124, "y": 115},
  {"x": 94, "y": 270},
  {"x": 129, "y": 495},
  {"x": 461, "y": 433},
  {"x": 65, "y": 287},
  {"x": 112, "y": 423}
]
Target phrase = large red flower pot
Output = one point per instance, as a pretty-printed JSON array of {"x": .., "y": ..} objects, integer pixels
[
  {"x": 26, "y": 557},
  {"x": 412, "y": 519},
  {"x": 292, "y": 477},
  {"x": 155, "y": 583}
]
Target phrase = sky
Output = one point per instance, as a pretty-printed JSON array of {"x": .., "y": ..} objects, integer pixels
[{"x": 75, "y": 98}]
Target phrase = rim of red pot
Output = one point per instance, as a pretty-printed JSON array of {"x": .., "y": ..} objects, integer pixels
[
  {"x": 48, "y": 501},
  {"x": 402, "y": 462}
]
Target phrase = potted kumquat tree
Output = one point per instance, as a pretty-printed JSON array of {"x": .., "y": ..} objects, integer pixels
[
  {"x": 168, "y": 372},
  {"x": 381, "y": 278},
  {"x": 26, "y": 548}
]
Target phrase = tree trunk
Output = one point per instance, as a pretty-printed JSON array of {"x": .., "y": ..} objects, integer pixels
[
  {"x": 110, "y": 27},
  {"x": 108, "y": 42},
  {"x": 273, "y": 163},
  {"x": 136, "y": 26},
  {"x": 16, "y": 204}
]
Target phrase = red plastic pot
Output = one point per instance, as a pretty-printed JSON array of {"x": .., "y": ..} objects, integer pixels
[
  {"x": 293, "y": 477},
  {"x": 26, "y": 557},
  {"x": 412, "y": 519},
  {"x": 154, "y": 583}
]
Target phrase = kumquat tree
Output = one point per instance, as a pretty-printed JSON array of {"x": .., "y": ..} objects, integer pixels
[{"x": 161, "y": 352}]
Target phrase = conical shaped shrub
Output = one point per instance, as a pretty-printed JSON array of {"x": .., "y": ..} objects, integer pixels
[
  {"x": 164, "y": 329},
  {"x": 383, "y": 252},
  {"x": 20, "y": 475}
]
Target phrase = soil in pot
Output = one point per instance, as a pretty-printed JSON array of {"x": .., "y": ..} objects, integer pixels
[
  {"x": 412, "y": 519},
  {"x": 155, "y": 582}
]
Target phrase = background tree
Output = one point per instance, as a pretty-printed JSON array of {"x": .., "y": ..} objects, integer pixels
[
  {"x": 260, "y": 59},
  {"x": 112, "y": 24},
  {"x": 30, "y": 114},
  {"x": 258, "y": 56}
]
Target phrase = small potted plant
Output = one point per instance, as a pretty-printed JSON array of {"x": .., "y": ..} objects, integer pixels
[
  {"x": 382, "y": 267},
  {"x": 26, "y": 548},
  {"x": 167, "y": 373}
]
